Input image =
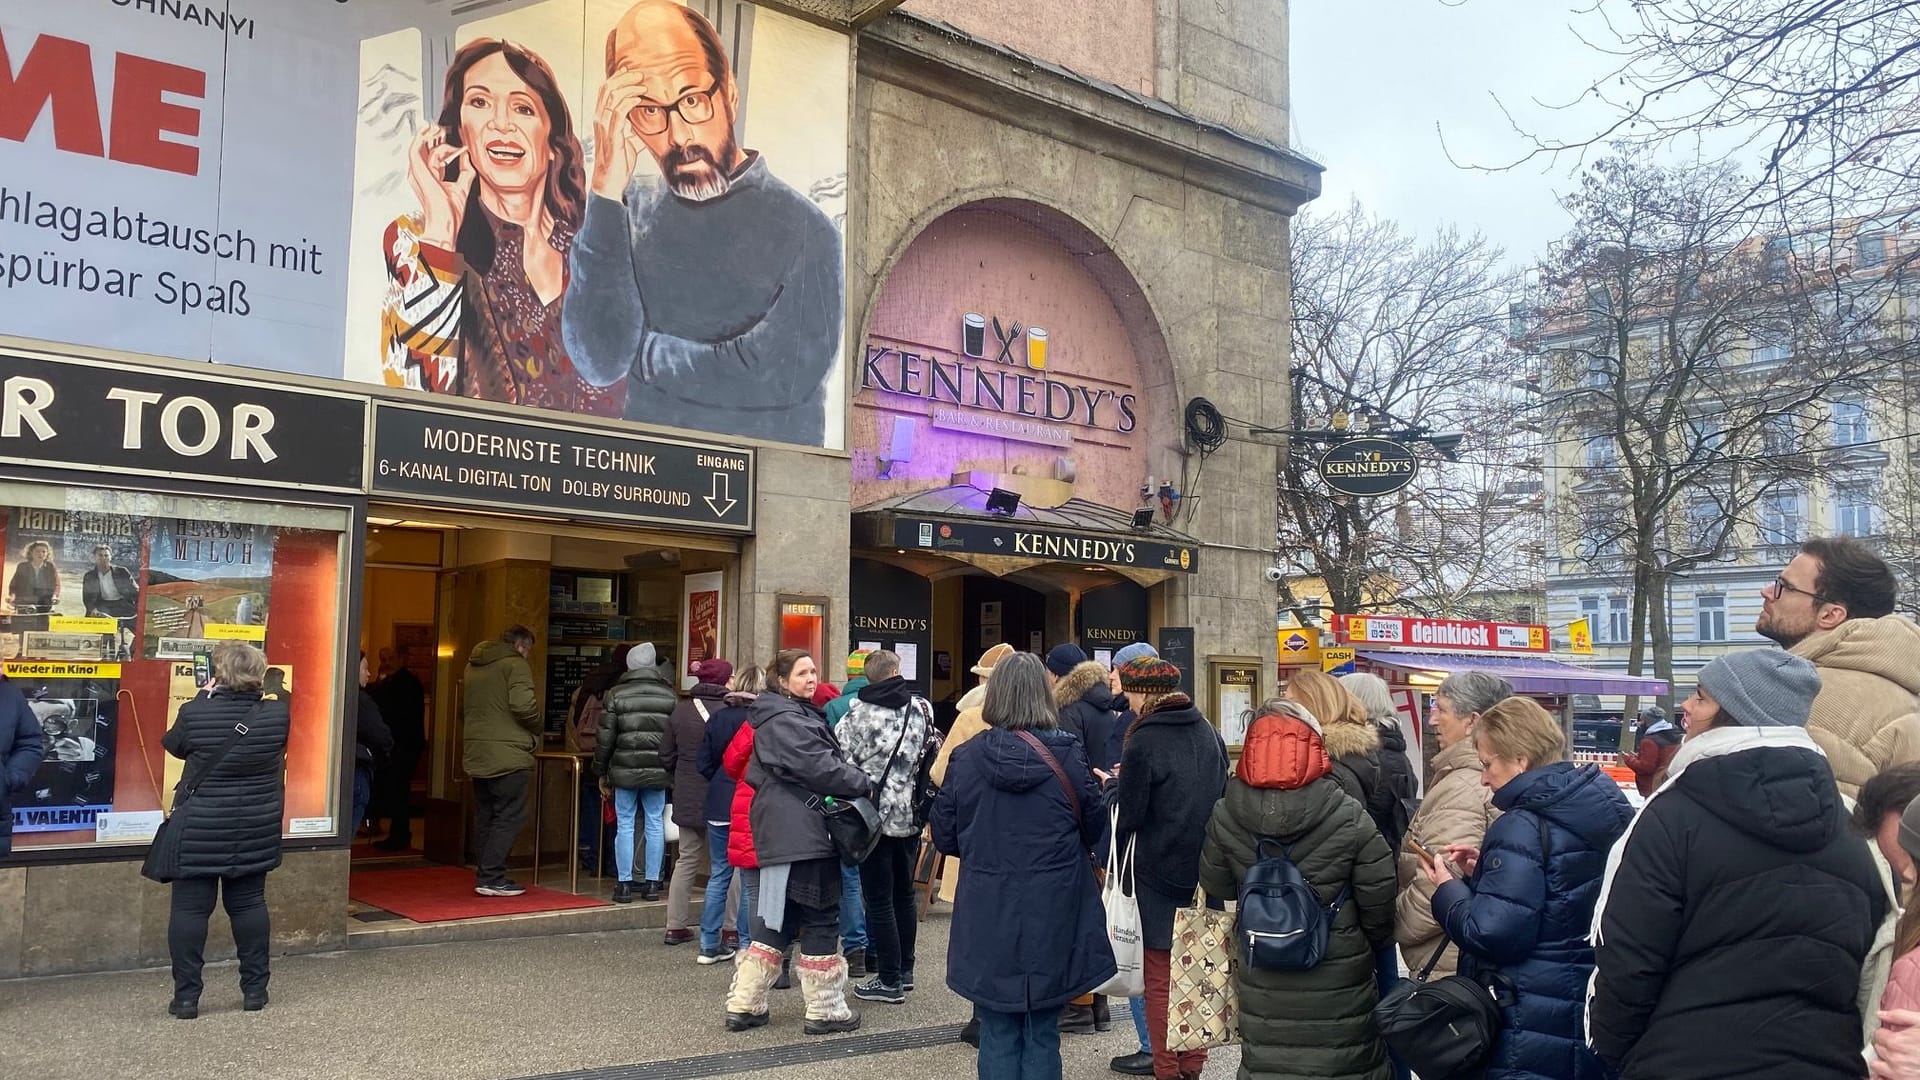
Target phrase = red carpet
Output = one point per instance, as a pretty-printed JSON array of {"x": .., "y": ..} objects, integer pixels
[{"x": 444, "y": 893}]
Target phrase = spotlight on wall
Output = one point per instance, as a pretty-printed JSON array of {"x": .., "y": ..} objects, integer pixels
[
  {"x": 1143, "y": 518},
  {"x": 1002, "y": 501},
  {"x": 897, "y": 447}
]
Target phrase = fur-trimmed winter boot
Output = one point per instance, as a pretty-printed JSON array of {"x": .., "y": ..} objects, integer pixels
[
  {"x": 823, "y": 980},
  {"x": 753, "y": 977}
]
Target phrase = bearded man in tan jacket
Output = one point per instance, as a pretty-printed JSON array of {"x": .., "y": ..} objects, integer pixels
[{"x": 1833, "y": 605}]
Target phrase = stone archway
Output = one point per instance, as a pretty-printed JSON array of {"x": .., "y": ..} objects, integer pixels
[{"x": 1024, "y": 260}]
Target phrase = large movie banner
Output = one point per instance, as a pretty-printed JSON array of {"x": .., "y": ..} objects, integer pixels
[
  {"x": 622, "y": 208},
  {"x": 76, "y": 705}
]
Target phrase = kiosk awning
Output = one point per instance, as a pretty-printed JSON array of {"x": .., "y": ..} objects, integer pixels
[{"x": 1528, "y": 674}]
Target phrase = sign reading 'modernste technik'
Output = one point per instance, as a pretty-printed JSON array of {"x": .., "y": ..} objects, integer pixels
[{"x": 468, "y": 459}]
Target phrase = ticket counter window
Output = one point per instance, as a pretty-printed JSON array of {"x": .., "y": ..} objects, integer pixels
[{"x": 803, "y": 625}]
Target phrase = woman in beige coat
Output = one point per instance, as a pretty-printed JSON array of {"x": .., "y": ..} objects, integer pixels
[{"x": 1455, "y": 811}]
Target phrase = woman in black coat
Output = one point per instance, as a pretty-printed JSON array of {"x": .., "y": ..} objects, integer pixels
[
  {"x": 1172, "y": 772},
  {"x": 1736, "y": 915},
  {"x": 230, "y": 827},
  {"x": 796, "y": 766},
  {"x": 1029, "y": 934}
]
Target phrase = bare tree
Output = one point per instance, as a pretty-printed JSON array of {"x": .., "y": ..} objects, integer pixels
[
  {"x": 1402, "y": 335},
  {"x": 1822, "y": 97},
  {"x": 1694, "y": 359},
  {"x": 1471, "y": 544}
]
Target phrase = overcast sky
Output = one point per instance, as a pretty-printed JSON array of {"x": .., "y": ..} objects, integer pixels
[{"x": 1376, "y": 84}]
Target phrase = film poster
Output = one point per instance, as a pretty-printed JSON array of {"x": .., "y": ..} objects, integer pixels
[
  {"x": 208, "y": 581},
  {"x": 76, "y": 705},
  {"x": 74, "y": 580}
]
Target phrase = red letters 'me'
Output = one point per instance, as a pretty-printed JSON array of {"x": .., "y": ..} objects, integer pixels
[{"x": 58, "y": 72}]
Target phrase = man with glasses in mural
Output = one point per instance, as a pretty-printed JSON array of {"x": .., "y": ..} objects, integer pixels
[
  {"x": 716, "y": 295},
  {"x": 1833, "y": 605}
]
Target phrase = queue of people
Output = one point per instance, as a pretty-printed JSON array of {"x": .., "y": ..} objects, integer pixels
[{"x": 1753, "y": 898}]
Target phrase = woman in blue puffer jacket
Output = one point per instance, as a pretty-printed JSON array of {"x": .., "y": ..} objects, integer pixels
[{"x": 1522, "y": 918}]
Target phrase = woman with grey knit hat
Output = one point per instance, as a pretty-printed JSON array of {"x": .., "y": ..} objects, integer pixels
[{"x": 1738, "y": 906}]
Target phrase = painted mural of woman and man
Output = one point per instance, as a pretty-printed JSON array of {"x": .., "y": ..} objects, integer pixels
[{"x": 712, "y": 300}]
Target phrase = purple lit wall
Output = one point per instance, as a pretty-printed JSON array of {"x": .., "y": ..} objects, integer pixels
[{"x": 979, "y": 260}]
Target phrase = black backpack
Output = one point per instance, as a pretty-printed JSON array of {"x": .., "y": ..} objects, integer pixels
[
  {"x": 1281, "y": 924},
  {"x": 1446, "y": 1029}
]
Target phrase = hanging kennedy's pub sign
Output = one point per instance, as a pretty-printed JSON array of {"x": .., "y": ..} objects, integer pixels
[{"x": 1368, "y": 467}]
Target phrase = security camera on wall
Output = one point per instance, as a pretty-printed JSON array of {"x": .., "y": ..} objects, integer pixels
[{"x": 1273, "y": 574}]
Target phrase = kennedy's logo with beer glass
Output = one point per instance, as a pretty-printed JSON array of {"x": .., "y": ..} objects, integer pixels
[{"x": 973, "y": 340}]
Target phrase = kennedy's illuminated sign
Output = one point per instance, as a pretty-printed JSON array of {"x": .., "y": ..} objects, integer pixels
[{"x": 999, "y": 368}]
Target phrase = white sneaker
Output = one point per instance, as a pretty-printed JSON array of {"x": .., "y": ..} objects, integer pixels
[
  {"x": 501, "y": 888},
  {"x": 719, "y": 956}
]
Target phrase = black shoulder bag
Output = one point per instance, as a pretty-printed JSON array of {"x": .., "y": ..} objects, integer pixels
[
  {"x": 854, "y": 824},
  {"x": 163, "y": 855},
  {"x": 1445, "y": 1029}
]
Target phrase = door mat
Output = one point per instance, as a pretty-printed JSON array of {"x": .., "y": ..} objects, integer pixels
[{"x": 445, "y": 893}]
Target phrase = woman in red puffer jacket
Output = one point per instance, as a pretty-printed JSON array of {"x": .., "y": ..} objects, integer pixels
[
  {"x": 740, "y": 850},
  {"x": 740, "y": 834}
]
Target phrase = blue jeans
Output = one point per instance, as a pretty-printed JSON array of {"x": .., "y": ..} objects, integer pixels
[
  {"x": 713, "y": 912},
  {"x": 1019, "y": 1046},
  {"x": 626, "y": 807},
  {"x": 362, "y": 795},
  {"x": 1138, "y": 1006},
  {"x": 853, "y": 909}
]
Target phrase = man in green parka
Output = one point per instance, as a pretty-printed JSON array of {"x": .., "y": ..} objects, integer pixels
[{"x": 500, "y": 721}]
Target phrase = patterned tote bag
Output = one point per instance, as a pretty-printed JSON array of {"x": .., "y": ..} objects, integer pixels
[{"x": 1203, "y": 1008}]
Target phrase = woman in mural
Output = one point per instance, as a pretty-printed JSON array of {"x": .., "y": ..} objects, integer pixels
[
  {"x": 475, "y": 278},
  {"x": 35, "y": 588}
]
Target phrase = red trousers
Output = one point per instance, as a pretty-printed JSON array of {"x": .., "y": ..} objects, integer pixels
[{"x": 1167, "y": 1065}]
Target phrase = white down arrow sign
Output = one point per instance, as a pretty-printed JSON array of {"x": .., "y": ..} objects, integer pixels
[{"x": 722, "y": 499}]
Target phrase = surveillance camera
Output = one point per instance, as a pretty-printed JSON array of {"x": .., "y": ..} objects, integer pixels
[{"x": 1273, "y": 573}]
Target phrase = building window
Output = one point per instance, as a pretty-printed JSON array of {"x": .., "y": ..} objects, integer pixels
[
  {"x": 1873, "y": 250},
  {"x": 1773, "y": 351},
  {"x": 1778, "y": 253},
  {"x": 1779, "y": 436},
  {"x": 1853, "y": 510},
  {"x": 1850, "y": 423},
  {"x": 1599, "y": 371},
  {"x": 1619, "y": 620},
  {"x": 1599, "y": 304},
  {"x": 1601, "y": 452},
  {"x": 1703, "y": 523},
  {"x": 1590, "y": 611},
  {"x": 1710, "y": 612},
  {"x": 1782, "y": 518}
]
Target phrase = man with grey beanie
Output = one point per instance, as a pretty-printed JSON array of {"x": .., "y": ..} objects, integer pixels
[{"x": 1738, "y": 894}]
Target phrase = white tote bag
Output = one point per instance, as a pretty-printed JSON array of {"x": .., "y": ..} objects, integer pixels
[{"x": 1123, "y": 920}]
